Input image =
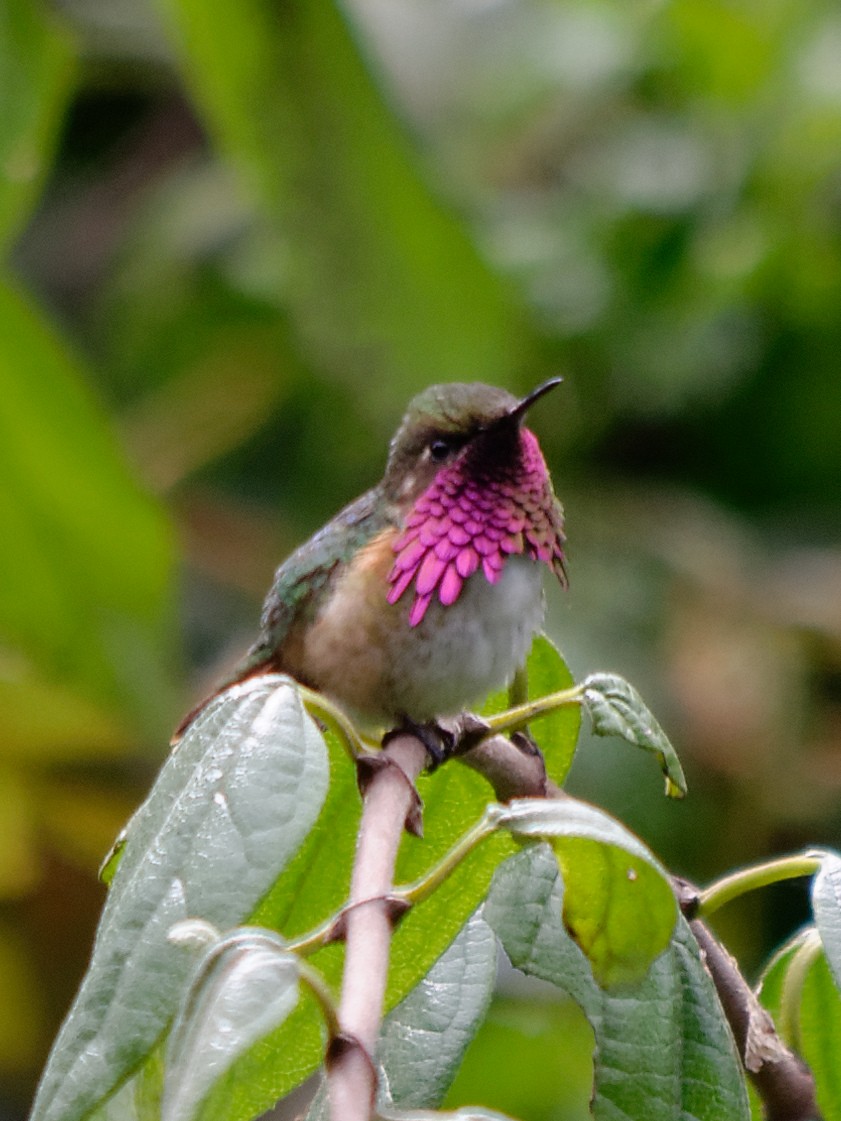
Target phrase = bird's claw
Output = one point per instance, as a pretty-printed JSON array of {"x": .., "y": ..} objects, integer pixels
[{"x": 438, "y": 740}]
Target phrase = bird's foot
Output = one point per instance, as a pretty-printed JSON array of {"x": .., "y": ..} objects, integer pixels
[{"x": 438, "y": 740}]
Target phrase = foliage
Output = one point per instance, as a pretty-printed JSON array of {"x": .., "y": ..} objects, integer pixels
[
  {"x": 584, "y": 905},
  {"x": 235, "y": 243}
]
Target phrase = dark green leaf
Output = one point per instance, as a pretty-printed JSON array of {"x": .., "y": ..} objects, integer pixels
[
  {"x": 243, "y": 988},
  {"x": 230, "y": 807},
  {"x": 524, "y": 908},
  {"x": 617, "y": 709},
  {"x": 618, "y": 902},
  {"x": 663, "y": 1048}
]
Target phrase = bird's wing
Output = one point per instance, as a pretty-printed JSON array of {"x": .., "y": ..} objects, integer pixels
[
  {"x": 296, "y": 586},
  {"x": 304, "y": 574}
]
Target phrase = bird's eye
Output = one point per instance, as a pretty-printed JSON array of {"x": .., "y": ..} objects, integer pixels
[{"x": 439, "y": 450}]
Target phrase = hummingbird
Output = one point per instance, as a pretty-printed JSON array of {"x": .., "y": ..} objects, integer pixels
[{"x": 423, "y": 595}]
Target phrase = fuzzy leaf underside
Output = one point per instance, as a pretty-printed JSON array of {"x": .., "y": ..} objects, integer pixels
[
  {"x": 228, "y": 810},
  {"x": 826, "y": 905},
  {"x": 424, "y": 1038},
  {"x": 616, "y": 709},
  {"x": 243, "y": 988}
]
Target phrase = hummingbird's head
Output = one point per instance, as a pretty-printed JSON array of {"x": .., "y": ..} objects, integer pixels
[
  {"x": 478, "y": 425},
  {"x": 474, "y": 489}
]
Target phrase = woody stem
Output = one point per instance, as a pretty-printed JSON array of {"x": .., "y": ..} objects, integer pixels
[{"x": 389, "y": 799}]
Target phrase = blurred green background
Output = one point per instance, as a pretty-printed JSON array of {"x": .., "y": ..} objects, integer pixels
[{"x": 238, "y": 237}]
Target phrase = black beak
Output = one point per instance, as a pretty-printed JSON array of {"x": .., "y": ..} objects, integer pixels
[{"x": 523, "y": 406}]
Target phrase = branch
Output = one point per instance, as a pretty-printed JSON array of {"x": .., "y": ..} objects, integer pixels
[
  {"x": 514, "y": 767},
  {"x": 390, "y": 806},
  {"x": 781, "y": 1079},
  {"x": 783, "y": 1082}
]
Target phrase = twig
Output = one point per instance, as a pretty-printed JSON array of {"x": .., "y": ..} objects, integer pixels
[
  {"x": 514, "y": 767},
  {"x": 390, "y": 801},
  {"x": 783, "y": 1082},
  {"x": 513, "y": 772}
]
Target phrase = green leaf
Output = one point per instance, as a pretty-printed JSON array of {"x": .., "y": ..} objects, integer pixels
[
  {"x": 378, "y": 274},
  {"x": 315, "y": 883},
  {"x": 424, "y": 1038},
  {"x": 779, "y": 989},
  {"x": 557, "y": 733},
  {"x": 111, "y": 862},
  {"x": 540, "y": 1052},
  {"x": 663, "y": 1048},
  {"x": 243, "y": 988},
  {"x": 314, "y": 887},
  {"x": 35, "y": 73},
  {"x": 618, "y": 902},
  {"x": 820, "y": 1035},
  {"x": 826, "y": 905},
  {"x": 85, "y": 555},
  {"x": 454, "y": 799},
  {"x": 139, "y": 1099},
  {"x": 617, "y": 709},
  {"x": 799, "y": 991},
  {"x": 310, "y": 890},
  {"x": 230, "y": 807},
  {"x": 524, "y": 908}
]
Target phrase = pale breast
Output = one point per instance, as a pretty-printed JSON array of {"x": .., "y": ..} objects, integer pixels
[
  {"x": 362, "y": 651},
  {"x": 458, "y": 654}
]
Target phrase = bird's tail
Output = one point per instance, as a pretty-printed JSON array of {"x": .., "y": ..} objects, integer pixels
[{"x": 257, "y": 662}]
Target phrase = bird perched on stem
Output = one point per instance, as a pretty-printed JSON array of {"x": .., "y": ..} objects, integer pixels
[{"x": 424, "y": 594}]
